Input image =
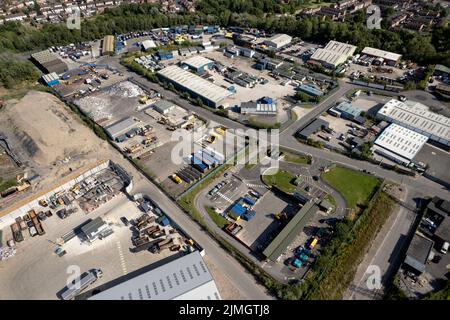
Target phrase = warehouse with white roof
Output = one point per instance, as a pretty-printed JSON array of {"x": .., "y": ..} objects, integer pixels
[
  {"x": 390, "y": 58},
  {"x": 211, "y": 94},
  {"x": 198, "y": 64},
  {"x": 417, "y": 117},
  {"x": 399, "y": 144},
  {"x": 334, "y": 54},
  {"x": 186, "y": 278},
  {"x": 278, "y": 41}
]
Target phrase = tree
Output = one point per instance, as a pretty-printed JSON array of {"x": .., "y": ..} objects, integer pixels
[{"x": 366, "y": 150}]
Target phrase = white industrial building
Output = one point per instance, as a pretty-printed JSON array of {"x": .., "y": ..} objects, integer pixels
[
  {"x": 417, "y": 117},
  {"x": 264, "y": 106},
  {"x": 186, "y": 278},
  {"x": 334, "y": 54},
  {"x": 278, "y": 41},
  {"x": 399, "y": 143},
  {"x": 211, "y": 94},
  {"x": 148, "y": 44},
  {"x": 389, "y": 57}
]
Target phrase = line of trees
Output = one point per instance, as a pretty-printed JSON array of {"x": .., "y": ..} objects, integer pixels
[{"x": 425, "y": 49}]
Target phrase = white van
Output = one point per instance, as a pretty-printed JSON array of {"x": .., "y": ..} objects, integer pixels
[{"x": 444, "y": 248}]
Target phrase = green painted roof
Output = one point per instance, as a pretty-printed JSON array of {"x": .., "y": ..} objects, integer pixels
[{"x": 290, "y": 231}]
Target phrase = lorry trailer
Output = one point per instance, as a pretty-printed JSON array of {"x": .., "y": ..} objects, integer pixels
[{"x": 81, "y": 283}]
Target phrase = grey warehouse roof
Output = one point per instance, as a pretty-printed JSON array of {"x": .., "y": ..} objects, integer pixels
[
  {"x": 200, "y": 86},
  {"x": 418, "y": 252},
  {"x": 186, "y": 278},
  {"x": 93, "y": 226},
  {"x": 120, "y": 127},
  {"x": 163, "y": 105}
]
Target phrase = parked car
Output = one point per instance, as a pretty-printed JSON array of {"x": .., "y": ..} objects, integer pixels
[{"x": 125, "y": 221}]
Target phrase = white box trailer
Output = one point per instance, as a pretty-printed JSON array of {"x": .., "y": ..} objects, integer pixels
[{"x": 81, "y": 283}]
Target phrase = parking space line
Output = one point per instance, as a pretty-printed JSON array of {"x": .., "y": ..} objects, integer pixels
[
  {"x": 224, "y": 197},
  {"x": 122, "y": 259}
]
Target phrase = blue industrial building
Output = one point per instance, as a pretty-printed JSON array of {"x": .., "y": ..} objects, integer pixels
[
  {"x": 164, "y": 55},
  {"x": 350, "y": 112}
]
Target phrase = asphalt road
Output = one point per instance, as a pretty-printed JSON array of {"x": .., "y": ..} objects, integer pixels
[{"x": 385, "y": 253}]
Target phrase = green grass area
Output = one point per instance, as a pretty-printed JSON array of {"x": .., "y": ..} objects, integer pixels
[
  {"x": 217, "y": 218},
  {"x": 282, "y": 180},
  {"x": 336, "y": 266},
  {"x": 6, "y": 184},
  {"x": 295, "y": 158},
  {"x": 252, "y": 122},
  {"x": 354, "y": 186}
]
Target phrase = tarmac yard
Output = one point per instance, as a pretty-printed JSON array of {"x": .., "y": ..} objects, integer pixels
[{"x": 43, "y": 274}]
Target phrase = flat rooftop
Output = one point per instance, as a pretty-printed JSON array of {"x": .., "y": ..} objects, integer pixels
[{"x": 195, "y": 83}]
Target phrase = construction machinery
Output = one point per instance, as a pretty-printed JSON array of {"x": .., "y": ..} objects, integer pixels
[
  {"x": 176, "y": 179},
  {"x": 133, "y": 149},
  {"x": 281, "y": 216},
  {"x": 211, "y": 139},
  {"x": 143, "y": 99}
]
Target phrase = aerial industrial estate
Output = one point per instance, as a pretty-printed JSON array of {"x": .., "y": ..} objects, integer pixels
[{"x": 128, "y": 142}]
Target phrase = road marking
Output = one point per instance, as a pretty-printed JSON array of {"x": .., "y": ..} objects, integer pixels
[
  {"x": 255, "y": 185},
  {"x": 224, "y": 197},
  {"x": 122, "y": 259}
]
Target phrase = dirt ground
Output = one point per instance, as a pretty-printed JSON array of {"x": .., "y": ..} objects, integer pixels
[{"x": 48, "y": 139}]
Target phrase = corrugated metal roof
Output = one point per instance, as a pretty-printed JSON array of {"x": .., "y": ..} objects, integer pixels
[
  {"x": 197, "y": 62},
  {"x": 402, "y": 141},
  {"x": 192, "y": 82},
  {"x": 334, "y": 53},
  {"x": 349, "y": 108},
  {"x": 185, "y": 278},
  {"x": 418, "y": 117},
  {"x": 120, "y": 127},
  {"x": 381, "y": 54}
]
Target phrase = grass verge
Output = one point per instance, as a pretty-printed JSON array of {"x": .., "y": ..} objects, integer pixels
[
  {"x": 355, "y": 187},
  {"x": 6, "y": 184},
  {"x": 282, "y": 180},
  {"x": 295, "y": 158},
  {"x": 220, "y": 221}
]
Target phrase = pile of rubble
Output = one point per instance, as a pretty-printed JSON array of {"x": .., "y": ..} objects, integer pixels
[
  {"x": 6, "y": 253},
  {"x": 126, "y": 89}
]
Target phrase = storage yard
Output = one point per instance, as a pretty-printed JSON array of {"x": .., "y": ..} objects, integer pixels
[{"x": 29, "y": 126}]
